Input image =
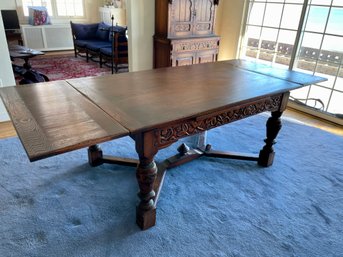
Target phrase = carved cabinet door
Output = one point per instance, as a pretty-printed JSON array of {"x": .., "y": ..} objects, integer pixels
[
  {"x": 181, "y": 18},
  {"x": 204, "y": 11}
]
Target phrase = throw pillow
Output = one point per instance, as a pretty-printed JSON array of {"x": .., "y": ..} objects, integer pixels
[
  {"x": 38, "y": 15},
  {"x": 103, "y": 31}
]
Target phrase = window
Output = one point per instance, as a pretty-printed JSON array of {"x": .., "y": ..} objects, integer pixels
[
  {"x": 272, "y": 35},
  {"x": 69, "y": 7},
  {"x": 57, "y": 8}
]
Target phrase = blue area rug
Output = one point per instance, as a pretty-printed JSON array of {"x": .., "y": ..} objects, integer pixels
[{"x": 209, "y": 207}]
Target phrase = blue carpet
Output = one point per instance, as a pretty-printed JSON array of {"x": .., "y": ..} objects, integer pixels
[{"x": 209, "y": 207}]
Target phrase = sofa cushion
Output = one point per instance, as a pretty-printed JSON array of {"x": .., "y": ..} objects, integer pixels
[
  {"x": 96, "y": 45},
  {"x": 83, "y": 43},
  {"x": 84, "y": 31},
  {"x": 103, "y": 31}
]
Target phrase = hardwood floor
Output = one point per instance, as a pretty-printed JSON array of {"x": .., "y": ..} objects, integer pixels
[
  {"x": 7, "y": 129},
  {"x": 313, "y": 121}
]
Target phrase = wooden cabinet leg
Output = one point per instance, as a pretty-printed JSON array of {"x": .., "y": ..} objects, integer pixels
[{"x": 266, "y": 156}]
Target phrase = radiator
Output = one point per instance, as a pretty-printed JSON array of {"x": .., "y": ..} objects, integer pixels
[{"x": 47, "y": 37}]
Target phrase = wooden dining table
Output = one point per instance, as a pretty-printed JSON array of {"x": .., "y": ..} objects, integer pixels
[{"x": 155, "y": 108}]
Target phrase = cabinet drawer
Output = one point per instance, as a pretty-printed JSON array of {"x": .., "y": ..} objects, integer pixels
[
  {"x": 197, "y": 44},
  {"x": 206, "y": 56},
  {"x": 182, "y": 59}
]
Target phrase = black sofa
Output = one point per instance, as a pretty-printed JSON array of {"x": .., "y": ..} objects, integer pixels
[{"x": 103, "y": 41}]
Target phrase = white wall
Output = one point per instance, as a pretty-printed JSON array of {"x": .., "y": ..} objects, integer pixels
[
  {"x": 140, "y": 17},
  {"x": 6, "y": 73},
  {"x": 7, "y": 4},
  {"x": 228, "y": 26}
]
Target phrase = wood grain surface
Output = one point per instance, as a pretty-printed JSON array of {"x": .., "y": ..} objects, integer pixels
[
  {"x": 277, "y": 72},
  {"x": 147, "y": 99},
  {"x": 52, "y": 118}
]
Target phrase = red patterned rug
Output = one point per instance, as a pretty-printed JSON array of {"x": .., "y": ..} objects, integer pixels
[{"x": 60, "y": 67}]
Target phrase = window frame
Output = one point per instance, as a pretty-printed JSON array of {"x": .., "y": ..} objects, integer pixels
[
  {"x": 54, "y": 2},
  {"x": 54, "y": 9},
  {"x": 243, "y": 47}
]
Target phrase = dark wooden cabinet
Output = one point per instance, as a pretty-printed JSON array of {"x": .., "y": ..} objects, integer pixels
[{"x": 184, "y": 32}]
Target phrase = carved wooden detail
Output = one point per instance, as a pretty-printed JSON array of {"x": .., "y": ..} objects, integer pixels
[
  {"x": 146, "y": 175},
  {"x": 167, "y": 135},
  {"x": 190, "y": 20},
  {"x": 203, "y": 27},
  {"x": 182, "y": 27},
  {"x": 195, "y": 45}
]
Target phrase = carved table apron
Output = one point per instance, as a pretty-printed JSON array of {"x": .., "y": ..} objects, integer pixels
[{"x": 155, "y": 108}]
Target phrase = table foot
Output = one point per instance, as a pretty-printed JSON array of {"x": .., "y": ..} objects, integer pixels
[
  {"x": 95, "y": 155},
  {"x": 266, "y": 156},
  {"x": 145, "y": 218}
]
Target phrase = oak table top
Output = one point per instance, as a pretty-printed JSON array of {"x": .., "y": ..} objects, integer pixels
[
  {"x": 146, "y": 99},
  {"x": 52, "y": 118}
]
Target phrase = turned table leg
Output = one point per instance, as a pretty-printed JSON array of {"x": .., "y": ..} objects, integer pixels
[
  {"x": 146, "y": 174},
  {"x": 266, "y": 156},
  {"x": 146, "y": 209}
]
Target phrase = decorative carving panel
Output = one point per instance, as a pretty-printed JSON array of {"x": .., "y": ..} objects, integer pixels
[
  {"x": 202, "y": 26},
  {"x": 195, "y": 45},
  {"x": 182, "y": 27},
  {"x": 170, "y": 134},
  {"x": 181, "y": 18}
]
